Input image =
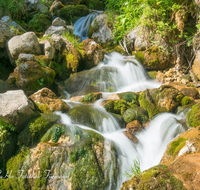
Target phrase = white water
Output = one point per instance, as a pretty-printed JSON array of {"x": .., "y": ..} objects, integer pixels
[
  {"x": 82, "y": 25},
  {"x": 152, "y": 142}
]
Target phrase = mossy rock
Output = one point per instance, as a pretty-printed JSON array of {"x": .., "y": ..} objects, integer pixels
[
  {"x": 193, "y": 116},
  {"x": 39, "y": 23},
  {"x": 129, "y": 97},
  {"x": 83, "y": 164},
  {"x": 157, "y": 177},
  {"x": 159, "y": 100},
  {"x": 136, "y": 113},
  {"x": 152, "y": 74},
  {"x": 93, "y": 29},
  {"x": 176, "y": 146},
  {"x": 153, "y": 58},
  {"x": 36, "y": 128},
  {"x": 71, "y": 13},
  {"x": 91, "y": 98},
  {"x": 186, "y": 100},
  {"x": 117, "y": 106},
  {"x": 92, "y": 117}
]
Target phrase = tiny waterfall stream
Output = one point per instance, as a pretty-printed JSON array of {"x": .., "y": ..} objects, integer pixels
[{"x": 129, "y": 75}]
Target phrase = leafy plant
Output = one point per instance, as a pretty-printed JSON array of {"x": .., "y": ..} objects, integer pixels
[
  {"x": 5, "y": 129},
  {"x": 135, "y": 169},
  {"x": 57, "y": 132},
  {"x": 72, "y": 38}
]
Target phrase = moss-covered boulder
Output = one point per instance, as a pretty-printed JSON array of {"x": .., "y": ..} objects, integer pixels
[
  {"x": 36, "y": 128},
  {"x": 94, "y": 53},
  {"x": 157, "y": 178},
  {"x": 153, "y": 58},
  {"x": 193, "y": 116},
  {"x": 91, "y": 98},
  {"x": 30, "y": 77},
  {"x": 48, "y": 102},
  {"x": 186, "y": 100},
  {"x": 136, "y": 113},
  {"x": 71, "y": 13},
  {"x": 95, "y": 80},
  {"x": 158, "y": 100},
  {"x": 80, "y": 159},
  {"x": 92, "y": 117},
  {"x": 130, "y": 97},
  {"x": 39, "y": 23}
]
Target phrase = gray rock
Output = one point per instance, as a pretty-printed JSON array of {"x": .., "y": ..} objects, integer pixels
[
  {"x": 26, "y": 43},
  {"x": 23, "y": 57},
  {"x": 33, "y": 4},
  {"x": 6, "y": 19},
  {"x": 49, "y": 50},
  {"x": 42, "y": 8},
  {"x": 58, "y": 22},
  {"x": 57, "y": 41},
  {"x": 5, "y": 33},
  {"x": 16, "y": 108},
  {"x": 104, "y": 33},
  {"x": 16, "y": 25},
  {"x": 55, "y": 30}
]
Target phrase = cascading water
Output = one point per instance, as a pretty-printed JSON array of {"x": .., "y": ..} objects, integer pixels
[
  {"x": 127, "y": 74},
  {"x": 82, "y": 25}
]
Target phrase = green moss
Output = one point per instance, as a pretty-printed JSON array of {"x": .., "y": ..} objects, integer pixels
[
  {"x": 139, "y": 56},
  {"x": 129, "y": 97},
  {"x": 193, "y": 116},
  {"x": 72, "y": 62},
  {"x": 91, "y": 98},
  {"x": 71, "y": 13},
  {"x": 186, "y": 100},
  {"x": 148, "y": 104},
  {"x": 15, "y": 165},
  {"x": 120, "y": 106},
  {"x": 36, "y": 129},
  {"x": 176, "y": 146},
  {"x": 39, "y": 23},
  {"x": 152, "y": 74},
  {"x": 136, "y": 113},
  {"x": 43, "y": 60},
  {"x": 157, "y": 177},
  {"x": 93, "y": 29}
]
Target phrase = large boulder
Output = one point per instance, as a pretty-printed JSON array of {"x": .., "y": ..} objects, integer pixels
[
  {"x": 158, "y": 100},
  {"x": 183, "y": 157},
  {"x": 5, "y": 33},
  {"x": 26, "y": 43},
  {"x": 31, "y": 77},
  {"x": 47, "y": 101},
  {"x": 16, "y": 108},
  {"x": 153, "y": 58},
  {"x": 77, "y": 158},
  {"x": 94, "y": 53},
  {"x": 99, "y": 31},
  {"x": 158, "y": 178}
]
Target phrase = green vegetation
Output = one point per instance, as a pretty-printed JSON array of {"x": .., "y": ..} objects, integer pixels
[
  {"x": 157, "y": 15},
  {"x": 193, "y": 116},
  {"x": 72, "y": 38},
  {"x": 5, "y": 129},
  {"x": 135, "y": 169},
  {"x": 57, "y": 132},
  {"x": 186, "y": 100},
  {"x": 176, "y": 146},
  {"x": 91, "y": 98}
]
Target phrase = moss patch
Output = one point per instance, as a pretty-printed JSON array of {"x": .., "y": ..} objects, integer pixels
[
  {"x": 91, "y": 98},
  {"x": 176, "y": 146},
  {"x": 193, "y": 116},
  {"x": 186, "y": 100},
  {"x": 152, "y": 74},
  {"x": 36, "y": 129}
]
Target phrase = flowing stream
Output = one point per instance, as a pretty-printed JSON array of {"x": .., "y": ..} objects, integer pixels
[{"x": 129, "y": 75}]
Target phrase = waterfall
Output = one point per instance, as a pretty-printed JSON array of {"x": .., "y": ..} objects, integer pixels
[
  {"x": 82, "y": 25},
  {"x": 127, "y": 74}
]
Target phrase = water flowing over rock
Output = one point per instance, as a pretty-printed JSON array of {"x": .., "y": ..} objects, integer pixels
[
  {"x": 82, "y": 25},
  {"x": 26, "y": 43},
  {"x": 16, "y": 108}
]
